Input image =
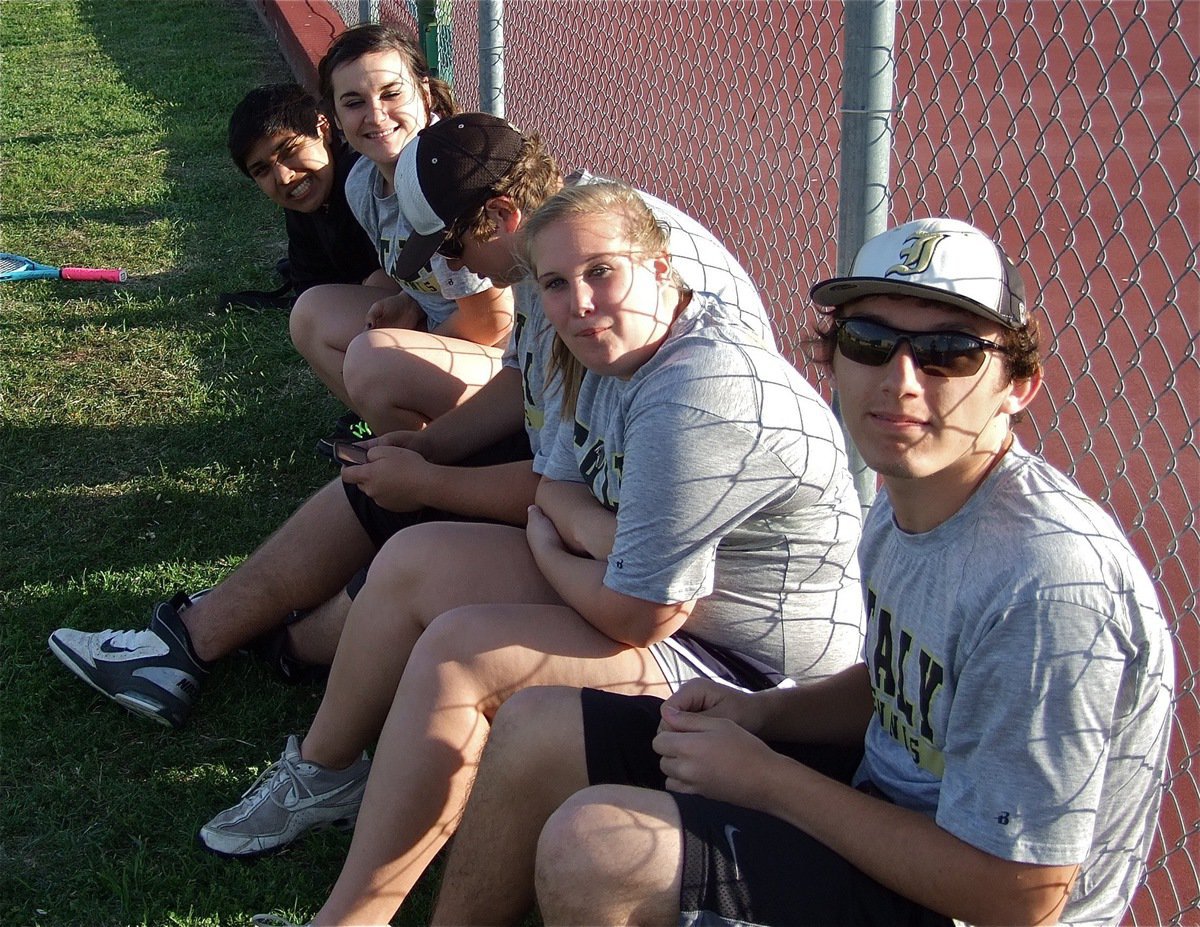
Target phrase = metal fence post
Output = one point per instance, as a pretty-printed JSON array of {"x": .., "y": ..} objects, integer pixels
[
  {"x": 491, "y": 57},
  {"x": 868, "y": 77},
  {"x": 433, "y": 28},
  {"x": 368, "y": 11}
]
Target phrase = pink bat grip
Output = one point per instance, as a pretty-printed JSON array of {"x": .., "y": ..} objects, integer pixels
[{"x": 104, "y": 275}]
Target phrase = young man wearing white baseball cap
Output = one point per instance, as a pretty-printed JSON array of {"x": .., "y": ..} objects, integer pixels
[{"x": 1013, "y": 702}]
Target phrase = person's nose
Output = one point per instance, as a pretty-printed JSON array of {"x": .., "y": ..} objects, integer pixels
[
  {"x": 581, "y": 299},
  {"x": 283, "y": 173},
  {"x": 902, "y": 370},
  {"x": 378, "y": 111}
]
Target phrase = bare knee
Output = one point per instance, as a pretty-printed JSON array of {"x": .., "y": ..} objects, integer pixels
[
  {"x": 304, "y": 321},
  {"x": 415, "y": 570},
  {"x": 536, "y": 750},
  {"x": 572, "y": 869},
  {"x": 542, "y": 725},
  {"x": 611, "y": 852},
  {"x": 401, "y": 558},
  {"x": 370, "y": 371},
  {"x": 398, "y": 577},
  {"x": 528, "y": 754},
  {"x": 457, "y": 637},
  {"x": 468, "y": 654}
]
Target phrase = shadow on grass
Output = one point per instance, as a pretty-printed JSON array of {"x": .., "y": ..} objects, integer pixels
[
  {"x": 130, "y": 497},
  {"x": 101, "y": 807},
  {"x": 128, "y": 796}
]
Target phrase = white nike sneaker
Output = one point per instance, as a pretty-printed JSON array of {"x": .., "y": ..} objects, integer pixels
[
  {"x": 291, "y": 796},
  {"x": 154, "y": 673}
]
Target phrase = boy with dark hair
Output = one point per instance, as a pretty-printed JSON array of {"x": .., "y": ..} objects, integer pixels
[{"x": 280, "y": 140}]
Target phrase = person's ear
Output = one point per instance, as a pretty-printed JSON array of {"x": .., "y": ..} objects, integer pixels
[
  {"x": 662, "y": 268},
  {"x": 1021, "y": 394},
  {"x": 427, "y": 99},
  {"x": 504, "y": 213},
  {"x": 324, "y": 129}
]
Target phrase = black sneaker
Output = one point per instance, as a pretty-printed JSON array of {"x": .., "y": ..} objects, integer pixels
[
  {"x": 272, "y": 649},
  {"x": 258, "y": 300},
  {"x": 154, "y": 673},
  {"x": 281, "y": 298},
  {"x": 347, "y": 428}
]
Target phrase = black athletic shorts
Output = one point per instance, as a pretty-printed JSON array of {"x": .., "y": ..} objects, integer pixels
[
  {"x": 380, "y": 523},
  {"x": 743, "y": 866}
]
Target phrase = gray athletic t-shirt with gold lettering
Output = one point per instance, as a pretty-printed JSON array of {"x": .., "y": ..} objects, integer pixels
[{"x": 1022, "y": 674}]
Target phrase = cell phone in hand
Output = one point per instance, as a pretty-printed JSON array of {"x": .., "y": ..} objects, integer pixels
[{"x": 347, "y": 453}]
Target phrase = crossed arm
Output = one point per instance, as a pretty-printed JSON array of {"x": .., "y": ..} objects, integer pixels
[{"x": 574, "y": 559}]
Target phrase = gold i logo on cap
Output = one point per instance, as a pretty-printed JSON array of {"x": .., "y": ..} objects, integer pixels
[{"x": 916, "y": 257}]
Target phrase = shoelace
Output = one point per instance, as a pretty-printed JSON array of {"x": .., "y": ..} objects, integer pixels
[
  {"x": 130, "y": 640},
  {"x": 284, "y": 766}
]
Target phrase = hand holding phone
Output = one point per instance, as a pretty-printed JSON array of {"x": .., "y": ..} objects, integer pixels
[{"x": 348, "y": 454}]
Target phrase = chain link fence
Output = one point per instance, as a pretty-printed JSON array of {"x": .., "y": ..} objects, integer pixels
[{"x": 1069, "y": 128}]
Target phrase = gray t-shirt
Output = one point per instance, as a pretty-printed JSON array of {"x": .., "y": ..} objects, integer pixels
[
  {"x": 437, "y": 287},
  {"x": 1022, "y": 675},
  {"x": 728, "y": 477},
  {"x": 529, "y": 352}
]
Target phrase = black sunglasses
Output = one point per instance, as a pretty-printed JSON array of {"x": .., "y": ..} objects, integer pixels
[{"x": 939, "y": 354}]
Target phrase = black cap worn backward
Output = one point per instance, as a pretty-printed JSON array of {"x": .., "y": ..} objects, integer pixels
[{"x": 449, "y": 170}]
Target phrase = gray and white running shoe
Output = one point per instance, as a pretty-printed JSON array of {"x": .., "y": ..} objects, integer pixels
[
  {"x": 291, "y": 797},
  {"x": 154, "y": 673}
]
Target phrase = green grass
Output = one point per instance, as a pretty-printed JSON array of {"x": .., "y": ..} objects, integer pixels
[{"x": 148, "y": 442}]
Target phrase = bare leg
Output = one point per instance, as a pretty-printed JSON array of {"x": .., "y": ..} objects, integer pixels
[
  {"x": 323, "y": 322},
  {"x": 465, "y": 665},
  {"x": 612, "y": 854},
  {"x": 314, "y": 638},
  {"x": 303, "y": 564},
  {"x": 397, "y": 378},
  {"x": 380, "y": 278},
  {"x": 533, "y": 762},
  {"x": 417, "y": 576}
]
